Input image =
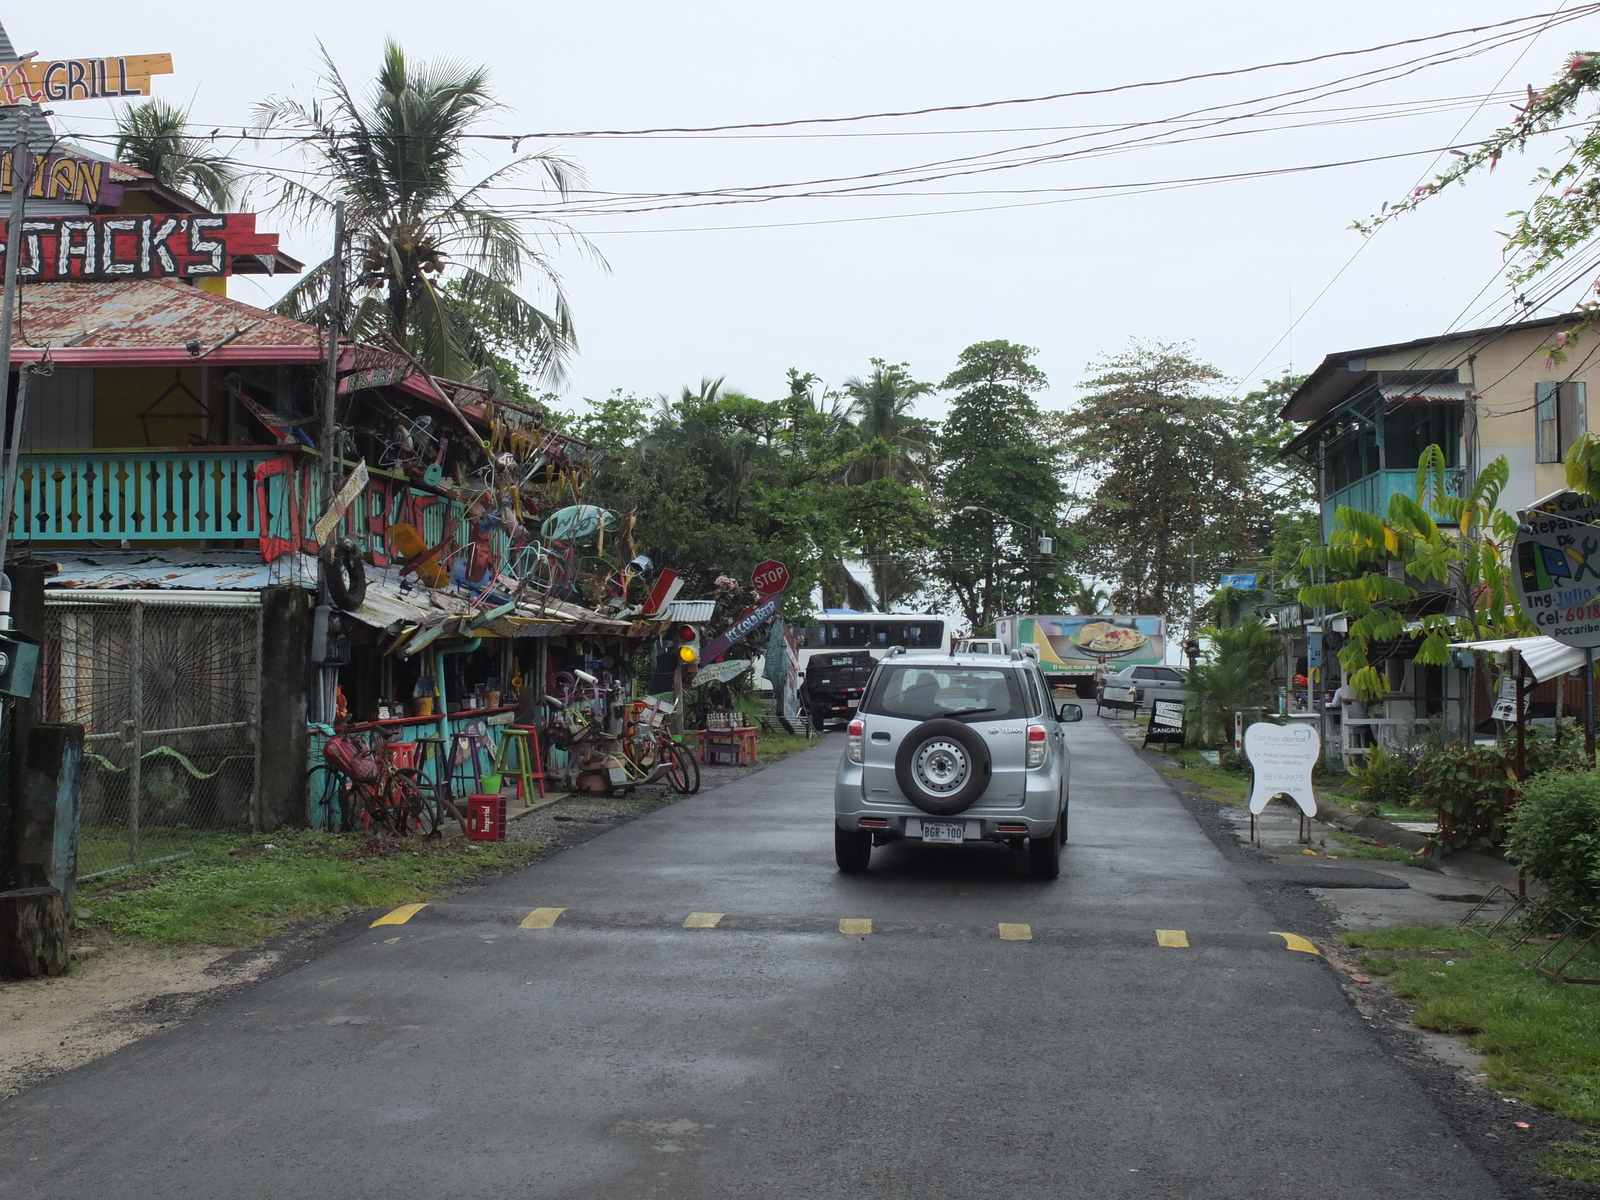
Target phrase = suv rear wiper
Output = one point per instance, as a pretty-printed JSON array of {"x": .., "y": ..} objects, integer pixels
[{"x": 967, "y": 712}]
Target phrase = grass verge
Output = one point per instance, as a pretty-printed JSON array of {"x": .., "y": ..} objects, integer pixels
[
  {"x": 1227, "y": 787},
  {"x": 1541, "y": 1038},
  {"x": 1357, "y": 847},
  {"x": 237, "y": 891},
  {"x": 772, "y": 746}
]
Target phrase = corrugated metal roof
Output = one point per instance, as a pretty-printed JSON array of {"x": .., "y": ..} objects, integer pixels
[
  {"x": 141, "y": 320},
  {"x": 1425, "y": 393},
  {"x": 392, "y": 602}
]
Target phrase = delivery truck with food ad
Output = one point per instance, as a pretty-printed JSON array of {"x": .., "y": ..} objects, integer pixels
[{"x": 1071, "y": 649}]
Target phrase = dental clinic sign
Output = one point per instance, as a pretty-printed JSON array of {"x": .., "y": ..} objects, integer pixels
[{"x": 1556, "y": 568}]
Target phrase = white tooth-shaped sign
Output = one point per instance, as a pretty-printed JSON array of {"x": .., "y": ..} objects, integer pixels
[{"x": 1282, "y": 757}]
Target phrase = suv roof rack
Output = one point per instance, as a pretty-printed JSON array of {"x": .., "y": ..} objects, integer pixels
[
  {"x": 1018, "y": 655},
  {"x": 893, "y": 650}
]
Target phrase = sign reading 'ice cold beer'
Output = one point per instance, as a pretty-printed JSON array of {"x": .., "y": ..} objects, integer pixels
[
  {"x": 135, "y": 246},
  {"x": 1557, "y": 573}
]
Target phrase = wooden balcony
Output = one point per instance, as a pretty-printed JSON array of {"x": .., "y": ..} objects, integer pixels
[
  {"x": 227, "y": 495},
  {"x": 1371, "y": 493}
]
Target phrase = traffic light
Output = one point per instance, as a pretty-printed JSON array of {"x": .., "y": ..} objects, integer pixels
[{"x": 687, "y": 640}]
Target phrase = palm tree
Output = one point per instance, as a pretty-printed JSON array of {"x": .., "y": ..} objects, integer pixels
[
  {"x": 1087, "y": 598},
  {"x": 898, "y": 444},
  {"x": 150, "y": 136},
  {"x": 396, "y": 158}
]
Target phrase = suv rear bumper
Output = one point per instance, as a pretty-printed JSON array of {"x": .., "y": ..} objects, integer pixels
[{"x": 1035, "y": 817}]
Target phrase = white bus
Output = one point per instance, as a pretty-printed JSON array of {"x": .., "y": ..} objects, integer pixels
[{"x": 873, "y": 632}]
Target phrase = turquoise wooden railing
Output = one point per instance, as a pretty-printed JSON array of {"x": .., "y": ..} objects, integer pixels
[
  {"x": 136, "y": 495},
  {"x": 208, "y": 494}
]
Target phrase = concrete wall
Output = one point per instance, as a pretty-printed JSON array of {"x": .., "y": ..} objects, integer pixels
[{"x": 285, "y": 744}]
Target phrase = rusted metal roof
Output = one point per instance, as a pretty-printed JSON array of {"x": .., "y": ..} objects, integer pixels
[{"x": 152, "y": 322}]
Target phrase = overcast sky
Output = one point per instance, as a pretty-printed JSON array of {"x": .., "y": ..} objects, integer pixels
[{"x": 1223, "y": 266}]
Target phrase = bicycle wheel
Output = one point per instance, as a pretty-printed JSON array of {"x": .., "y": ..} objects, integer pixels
[
  {"x": 427, "y": 811},
  {"x": 685, "y": 774},
  {"x": 327, "y": 799}
]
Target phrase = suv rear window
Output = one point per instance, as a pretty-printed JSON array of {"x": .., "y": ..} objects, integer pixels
[{"x": 918, "y": 693}]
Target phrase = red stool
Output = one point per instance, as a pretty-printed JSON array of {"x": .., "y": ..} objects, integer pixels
[{"x": 401, "y": 756}]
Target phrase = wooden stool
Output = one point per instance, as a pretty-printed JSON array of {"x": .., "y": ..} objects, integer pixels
[
  {"x": 521, "y": 742},
  {"x": 468, "y": 754}
]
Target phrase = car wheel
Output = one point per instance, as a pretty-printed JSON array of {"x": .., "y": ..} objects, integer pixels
[
  {"x": 1044, "y": 855},
  {"x": 1086, "y": 691},
  {"x": 1061, "y": 825},
  {"x": 852, "y": 849},
  {"x": 942, "y": 766}
]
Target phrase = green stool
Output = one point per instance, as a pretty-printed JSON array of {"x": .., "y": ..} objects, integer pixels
[{"x": 519, "y": 759}]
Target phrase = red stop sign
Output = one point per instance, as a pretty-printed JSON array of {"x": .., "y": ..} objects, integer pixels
[{"x": 770, "y": 577}]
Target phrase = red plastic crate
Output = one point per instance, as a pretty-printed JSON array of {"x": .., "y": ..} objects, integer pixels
[{"x": 486, "y": 818}]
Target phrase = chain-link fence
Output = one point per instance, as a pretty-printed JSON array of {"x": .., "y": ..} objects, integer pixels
[{"x": 168, "y": 694}]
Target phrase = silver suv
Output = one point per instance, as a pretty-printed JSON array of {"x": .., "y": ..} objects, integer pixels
[{"x": 955, "y": 749}]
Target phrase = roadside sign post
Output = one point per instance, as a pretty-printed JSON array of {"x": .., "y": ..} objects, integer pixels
[
  {"x": 1282, "y": 758},
  {"x": 1557, "y": 581}
]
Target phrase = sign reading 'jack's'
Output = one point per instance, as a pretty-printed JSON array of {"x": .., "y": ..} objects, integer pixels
[{"x": 135, "y": 246}]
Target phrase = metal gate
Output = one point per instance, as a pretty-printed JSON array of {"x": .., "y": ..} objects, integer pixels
[{"x": 169, "y": 694}]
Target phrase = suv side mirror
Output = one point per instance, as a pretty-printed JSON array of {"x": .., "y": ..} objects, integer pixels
[{"x": 1069, "y": 712}]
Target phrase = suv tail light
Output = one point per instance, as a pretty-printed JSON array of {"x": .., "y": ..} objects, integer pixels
[
  {"x": 857, "y": 729},
  {"x": 1036, "y": 745}
]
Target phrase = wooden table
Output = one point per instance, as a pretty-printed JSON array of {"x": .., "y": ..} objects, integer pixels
[{"x": 736, "y": 747}]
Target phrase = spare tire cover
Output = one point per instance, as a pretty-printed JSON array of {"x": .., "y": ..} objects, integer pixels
[{"x": 942, "y": 766}]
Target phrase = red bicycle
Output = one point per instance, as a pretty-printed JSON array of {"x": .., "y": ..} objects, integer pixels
[{"x": 362, "y": 791}]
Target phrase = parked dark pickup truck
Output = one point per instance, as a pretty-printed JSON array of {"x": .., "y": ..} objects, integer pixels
[{"x": 834, "y": 684}]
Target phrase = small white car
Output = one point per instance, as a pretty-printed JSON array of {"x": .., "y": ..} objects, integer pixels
[{"x": 958, "y": 749}]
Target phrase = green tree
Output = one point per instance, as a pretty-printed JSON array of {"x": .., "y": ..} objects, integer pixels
[
  {"x": 1457, "y": 547},
  {"x": 896, "y": 444},
  {"x": 397, "y": 157},
  {"x": 1235, "y": 677},
  {"x": 151, "y": 136},
  {"x": 997, "y": 484},
  {"x": 1174, "y": 469}
]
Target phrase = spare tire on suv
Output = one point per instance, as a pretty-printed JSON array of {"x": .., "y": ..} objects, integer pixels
[{"x": 942, "y": 766}]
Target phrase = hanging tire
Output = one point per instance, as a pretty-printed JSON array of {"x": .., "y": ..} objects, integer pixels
[
  {"x": 942, "y": 766},
  {"x": 852, "y": 850},
  {"x": 346, "y": 573}
]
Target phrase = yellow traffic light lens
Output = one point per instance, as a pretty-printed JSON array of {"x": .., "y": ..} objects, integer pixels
[{"x": 687, "y": 653}]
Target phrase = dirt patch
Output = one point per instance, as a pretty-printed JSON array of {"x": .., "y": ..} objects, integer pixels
[{"x": 113, "y": 996}]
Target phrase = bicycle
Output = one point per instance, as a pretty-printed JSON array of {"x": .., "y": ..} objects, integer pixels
[
  {"x": 355, "y": 787},
  {"x": 648, "y": 746}
]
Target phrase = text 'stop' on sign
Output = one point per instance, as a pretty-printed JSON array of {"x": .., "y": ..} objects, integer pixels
[
  {"x": 52, "y": 81},
  {"x": 136, "y": 246}
]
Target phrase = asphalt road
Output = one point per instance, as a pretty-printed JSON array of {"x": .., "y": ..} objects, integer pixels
[{"x": 616, "y": 1053}]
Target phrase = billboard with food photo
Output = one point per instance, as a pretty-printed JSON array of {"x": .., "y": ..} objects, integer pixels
[{"x": 1079, "y": 643}]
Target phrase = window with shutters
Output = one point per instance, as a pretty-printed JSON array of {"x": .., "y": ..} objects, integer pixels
[{"x": 1561, "y": 417}]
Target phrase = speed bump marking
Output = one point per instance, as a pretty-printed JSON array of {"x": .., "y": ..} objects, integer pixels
[
  {"x": 1015, "y": 933},
  {"x": 398, "y": 916},
  {"x": 703, "y": 920},
  {"x": 1175, "y": 939},
  {"x": 1293, "y": 941},
  {"x": 862, "y": 925},
  {"x": 541, "y": 918}
]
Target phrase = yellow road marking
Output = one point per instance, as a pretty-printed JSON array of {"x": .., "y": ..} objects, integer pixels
[
  {"x": 1015, "y": 933},
  {"x": 541, "y": 918},
  {"x": 855, "y": 925},
  {"x": 703, "y": 920},
  {"x": 1293, "y": 941},
  {"x": 1177, "y": 939},
  {"x": 398, "y": 916}
]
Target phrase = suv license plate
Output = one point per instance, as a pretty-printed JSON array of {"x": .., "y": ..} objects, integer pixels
[{"x": 934, "y": 832}]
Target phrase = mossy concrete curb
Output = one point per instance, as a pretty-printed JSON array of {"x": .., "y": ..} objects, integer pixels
[{"x": 1375, "y": 828}]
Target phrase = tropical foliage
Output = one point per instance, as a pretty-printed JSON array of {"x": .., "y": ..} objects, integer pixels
[
  {"x": 152, "y": 137},
  {"x": 1233, "y": 678},
  {"x": 1455, "y": 548},
  {"x": 397, "y": 157}
]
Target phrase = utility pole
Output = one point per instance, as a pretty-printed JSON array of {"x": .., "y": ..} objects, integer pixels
[
  {"x": 8, "y": 308},
  {"x": 330, "y": 467}
]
